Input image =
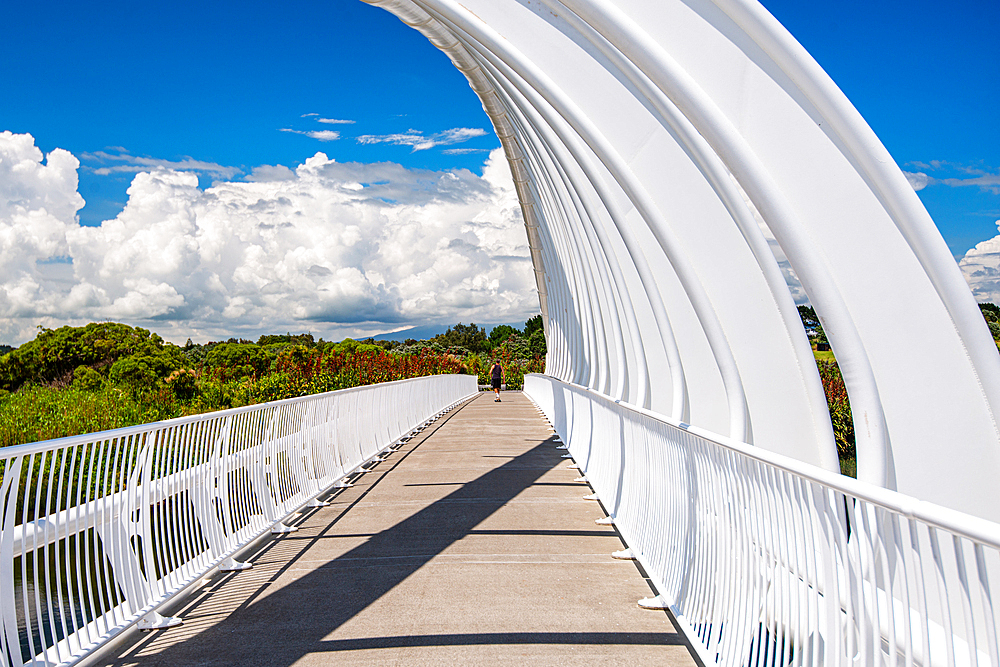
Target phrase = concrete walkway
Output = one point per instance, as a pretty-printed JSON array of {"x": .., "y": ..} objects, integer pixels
[{"x": 470, "y": 545}]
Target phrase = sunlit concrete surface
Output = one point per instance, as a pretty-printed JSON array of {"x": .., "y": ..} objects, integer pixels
[{"x": 470, "y": 545}]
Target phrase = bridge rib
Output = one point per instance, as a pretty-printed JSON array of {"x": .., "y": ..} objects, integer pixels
[{"x": 472, "y": 543}]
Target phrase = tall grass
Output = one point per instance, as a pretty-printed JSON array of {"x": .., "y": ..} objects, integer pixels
[
  {"x": 37, "y": 412},
  {"x": 42, "y": 413}
]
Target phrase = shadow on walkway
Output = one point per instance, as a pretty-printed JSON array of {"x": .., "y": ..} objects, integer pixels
[
  {"x": 278, "y": 628},
  {"x": 279, "y": 623}
]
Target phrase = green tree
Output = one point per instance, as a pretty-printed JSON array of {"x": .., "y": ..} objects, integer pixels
[
  {"x": 536, "y": 344},
  {"x": 500, "y": 333},
  {"x": 55, "y": 354},
  {"x": 471, "y": 337},
  {"x": 299, "y": 339},
  {"x": 991, "y": 313},
  {"x": 230, "y": 361},
  {"x": 812, "y": 325},
  {"x": 532, "y": 325}
]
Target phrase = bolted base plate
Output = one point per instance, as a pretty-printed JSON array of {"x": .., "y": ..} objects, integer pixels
[
  {"x": 153, "y": 621},
  {"x": 653, "y": 603},
  {"x": 232, "y": 565},
  {"x": 624, "y": 554},
  {"x": 592, "y": 496},
  {"x": 606, "y": 521},
  {"x": 281, "y": 529}
]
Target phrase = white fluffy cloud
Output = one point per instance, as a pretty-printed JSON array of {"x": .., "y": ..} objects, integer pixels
[
  {"x": 981, "y": 267},
  {"x": 337, "y": 249}
]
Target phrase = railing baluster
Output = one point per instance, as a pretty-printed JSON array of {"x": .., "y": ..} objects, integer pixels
[
  {"x": 101, "y": 529},
  {"x": 767, "y": 561}
]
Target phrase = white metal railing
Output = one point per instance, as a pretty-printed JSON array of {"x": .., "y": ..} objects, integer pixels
[
  {"x": 767, "y": 561},
  {"x": 98, "y": 531}
]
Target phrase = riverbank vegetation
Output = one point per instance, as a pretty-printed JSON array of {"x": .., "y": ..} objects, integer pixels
[{"x": 106, "y": 375}]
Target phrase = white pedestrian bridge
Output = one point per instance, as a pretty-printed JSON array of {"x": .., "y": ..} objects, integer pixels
[{"x": 683, "y": 167}]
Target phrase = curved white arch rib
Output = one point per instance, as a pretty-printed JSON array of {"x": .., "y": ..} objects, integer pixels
[{"x": 648, "y": 140}]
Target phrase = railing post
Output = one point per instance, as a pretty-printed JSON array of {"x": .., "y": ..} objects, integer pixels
[{"x": 10, "y": 641}]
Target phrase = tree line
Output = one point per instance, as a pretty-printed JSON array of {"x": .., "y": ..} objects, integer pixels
[{"x": 108, "y": 375}]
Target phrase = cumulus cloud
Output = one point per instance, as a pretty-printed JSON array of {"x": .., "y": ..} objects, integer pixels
[
  {"x": 419, "y": 142},
  {"x": 335, "y": 248},
  {"x": 322, "y": 135},
  {"x": 981, "y": 268},
  {"x": 120, "y": 162}
]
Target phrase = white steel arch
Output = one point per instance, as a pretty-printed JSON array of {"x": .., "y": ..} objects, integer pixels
[{"x": 658, "y": 148}]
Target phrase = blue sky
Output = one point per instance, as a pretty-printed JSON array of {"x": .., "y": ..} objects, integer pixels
[
  {"x": 216, "y": 82},
  {"x": 228, "y": 87}
]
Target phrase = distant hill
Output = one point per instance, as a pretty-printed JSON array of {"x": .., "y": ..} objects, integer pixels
[
  {"x": 430, "y": 330},
  {"x": 4, "y": 349}
]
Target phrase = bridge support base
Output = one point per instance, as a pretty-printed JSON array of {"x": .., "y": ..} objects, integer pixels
[
  {"x": 316, "y": 502},
  {"x": 567, "y": 456},
  {"x": 624, "y": 554},
  {"x": 280, "y": 529},
  {"x": 233, "y": 565},
  {"x": 153, "y": 621},
  {"x": 656, "y": 602},
  {"x": 606, "y": 521},
  {"x": 581, "y": 479},
  {"x": 592, "y": 496}
]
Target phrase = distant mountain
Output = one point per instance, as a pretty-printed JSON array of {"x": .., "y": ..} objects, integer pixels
[{"x": 431, "y": 330}]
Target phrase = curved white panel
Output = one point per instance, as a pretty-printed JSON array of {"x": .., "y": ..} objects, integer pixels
[{"x": 658, "y": 148}]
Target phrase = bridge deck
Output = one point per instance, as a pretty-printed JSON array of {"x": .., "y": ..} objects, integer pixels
[{"x": 472, "y": 544}]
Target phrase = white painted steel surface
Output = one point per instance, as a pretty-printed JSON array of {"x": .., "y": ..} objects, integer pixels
[
  {"x": 100, "y": 530},
  {"x": 675, "y": 161},
  {"x": 767, "y": 561}
]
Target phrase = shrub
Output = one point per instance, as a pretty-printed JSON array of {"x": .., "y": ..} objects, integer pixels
[
  {"x": 840, "y": 407},
  {"x": 184, "y": 383},
  {"x": 87, "y": 379},
  {"x": 55, "y": 353},
  {"x": 232, "y": 361}
]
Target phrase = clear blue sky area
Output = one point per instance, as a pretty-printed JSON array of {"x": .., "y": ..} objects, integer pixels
[{"x": 217, "y": 82}]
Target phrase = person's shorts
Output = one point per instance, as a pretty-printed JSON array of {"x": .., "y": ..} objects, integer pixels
[{"x": 496, "y": 383}]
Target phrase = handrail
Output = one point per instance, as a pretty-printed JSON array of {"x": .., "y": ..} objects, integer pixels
[
  {"x": 764, "y": 560},
  {"x": 97, "y": 531}
]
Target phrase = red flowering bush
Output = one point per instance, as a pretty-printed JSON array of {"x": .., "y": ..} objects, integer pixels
[{"x": 840, "y": 407}]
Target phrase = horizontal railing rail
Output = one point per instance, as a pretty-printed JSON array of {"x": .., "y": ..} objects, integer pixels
[
  {"x": 767, "y": 561},
  {"x": 98, "y": 531}
]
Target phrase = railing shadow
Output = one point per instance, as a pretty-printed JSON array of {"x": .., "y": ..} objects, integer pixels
[{"x": 279, "y": 627}]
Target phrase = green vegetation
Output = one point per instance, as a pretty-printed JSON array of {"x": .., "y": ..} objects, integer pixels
[
  {"x": 836, "y": 392},
  {"x": 75, "y": 380}
]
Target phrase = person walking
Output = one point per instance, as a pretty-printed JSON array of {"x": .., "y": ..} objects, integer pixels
[{"x": 496, "y": 378}]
